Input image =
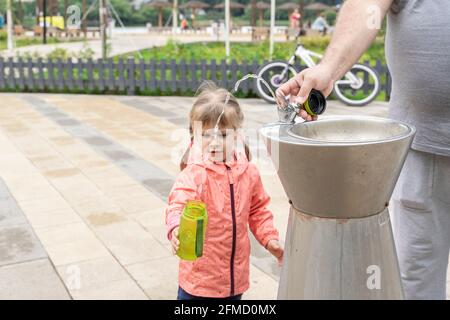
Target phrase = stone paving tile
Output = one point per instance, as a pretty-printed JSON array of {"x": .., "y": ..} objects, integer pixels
[
  {"x": 137, "y": 203},
  {"x": 62, "y": 234},
  {"x": 25, "y": 270},
  {"x": 53, "y": 218},
  {"x": 31, "y": 280},
  {"x": 95, "y": 205},
  {"x": 71, "y": 243},
  {"x": 149, "y": 107},
  {"x": 75, "y": 251},
  {"x": 125, "y": 159},
  {"x": 15, "y": 165},
  {"x": 9, "y": 210},
  {"x": 112, "y": 290},
  {"x": 130, "y": 243},
  {"x": 64, "y": 246},
  {"x": 143, "y": 139},
  {"x": 153, "y": 276},
  {"x": 90, "y": 279},
  {"x": 151, "y": 221},
  {"x": 261, "y": 286},
  {"x": 18, "y": 242}
]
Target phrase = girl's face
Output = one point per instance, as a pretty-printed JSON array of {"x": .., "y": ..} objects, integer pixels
[{"x": 218, "y": 147}]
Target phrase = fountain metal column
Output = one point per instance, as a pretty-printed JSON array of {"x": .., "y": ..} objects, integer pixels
[{"x": 339, "y": 174}]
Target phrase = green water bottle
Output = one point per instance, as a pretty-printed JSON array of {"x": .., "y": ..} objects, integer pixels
[
  {"x": 192, "y": 230},
  {"x": 316, "y": 103}
]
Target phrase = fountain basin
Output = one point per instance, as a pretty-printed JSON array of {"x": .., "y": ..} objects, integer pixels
[{"x": 339, "y": 167}]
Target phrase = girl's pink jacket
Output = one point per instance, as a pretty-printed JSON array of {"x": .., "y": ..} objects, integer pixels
[{"x": 235, "y": 199}]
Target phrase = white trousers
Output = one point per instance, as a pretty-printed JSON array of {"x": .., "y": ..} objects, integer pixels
[{"x": 421, "y": 224}]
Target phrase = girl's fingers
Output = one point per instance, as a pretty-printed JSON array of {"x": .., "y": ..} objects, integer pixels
[
  {"x": 278, "y": 252},
  {"x": 175, "y": 245},
  {"x": 280, "y": 261},
  {"x": 175, "y": 242}
]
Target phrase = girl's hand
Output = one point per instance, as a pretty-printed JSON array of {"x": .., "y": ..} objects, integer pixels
[
  {"x": 174, "y": 241},
  {"x": 276, "y": 250}
]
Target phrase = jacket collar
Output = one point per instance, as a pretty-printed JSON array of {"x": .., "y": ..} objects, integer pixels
[{"x": 238, "y": 163}]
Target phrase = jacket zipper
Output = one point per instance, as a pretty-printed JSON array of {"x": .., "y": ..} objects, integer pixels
[{"x": 233, "y": 217}]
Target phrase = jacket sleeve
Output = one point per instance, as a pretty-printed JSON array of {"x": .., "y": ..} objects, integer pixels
[
  {"x": 261, "y": 218},
  {"x": 185, "y": 188}
]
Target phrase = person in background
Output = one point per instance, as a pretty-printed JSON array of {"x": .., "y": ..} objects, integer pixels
[
  {"x": 184, "y": 24},
  {"x": 320, "y": 24},
  {"x": 417, "y": 52}
]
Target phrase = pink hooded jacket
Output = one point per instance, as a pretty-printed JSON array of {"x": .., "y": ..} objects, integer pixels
[{"x": 235, "y": 199}]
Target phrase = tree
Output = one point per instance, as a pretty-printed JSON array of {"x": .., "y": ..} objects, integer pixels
[{"x": 253, "y": 20}]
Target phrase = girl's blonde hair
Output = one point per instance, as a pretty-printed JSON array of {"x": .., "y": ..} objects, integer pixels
[{"x": 207, "y": 108}]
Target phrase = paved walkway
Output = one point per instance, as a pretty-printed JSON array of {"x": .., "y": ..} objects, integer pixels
[
  {"x": 83, "y": 186},
  {"x": 119, "y": 44}
]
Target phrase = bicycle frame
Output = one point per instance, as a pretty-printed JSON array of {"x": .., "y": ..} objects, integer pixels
[
  {"x": 279, "y": 72},
  {"x": 306, "y": 56}
]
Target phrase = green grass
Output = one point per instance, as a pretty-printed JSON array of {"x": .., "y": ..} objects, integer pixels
[
  {"x": 248, "y": 51},
  {"x": 29, "y": 41}
]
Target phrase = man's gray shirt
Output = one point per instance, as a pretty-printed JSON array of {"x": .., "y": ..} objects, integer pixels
[{"x": 418, "y": 55}]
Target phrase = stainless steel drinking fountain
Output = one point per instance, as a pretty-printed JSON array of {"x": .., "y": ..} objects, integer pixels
[{"x": 339, "y": 173}]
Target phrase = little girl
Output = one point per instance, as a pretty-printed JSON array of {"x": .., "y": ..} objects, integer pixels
[{"x": 230, "y": 186}]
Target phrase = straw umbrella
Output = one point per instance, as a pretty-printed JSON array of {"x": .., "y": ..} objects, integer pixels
[
  {"x": 233, "y": 5},
  {"x": 160, "y": 5},
  {"x": 194, "y": 6},
  {"x": 289, "y": 6},
  {"x": 261, "y": 6},
  {"x": 317, "y": 6}
]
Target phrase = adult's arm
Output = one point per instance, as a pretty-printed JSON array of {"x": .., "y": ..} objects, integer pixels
[{"x": 355, "y": 30}]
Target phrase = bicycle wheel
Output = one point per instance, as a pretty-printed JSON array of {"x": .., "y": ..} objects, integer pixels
[
  {"x": 272, "y": 74},
  {"x": 359, "y": 89}
]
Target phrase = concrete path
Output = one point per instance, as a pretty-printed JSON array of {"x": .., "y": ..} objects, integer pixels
[
  {"x": 26, "y": 272},
  {"x": 119, "y": 44},
  {"x": 83, "y": 192}
]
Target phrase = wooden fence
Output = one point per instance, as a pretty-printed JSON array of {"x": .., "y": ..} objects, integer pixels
[{"x": 130, "y": 76}]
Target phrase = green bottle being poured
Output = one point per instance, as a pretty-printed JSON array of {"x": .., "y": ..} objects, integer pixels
[{"x": 314, "y": 105}]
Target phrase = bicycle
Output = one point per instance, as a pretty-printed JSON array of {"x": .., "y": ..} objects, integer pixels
[{"x": 359, "y": 86}]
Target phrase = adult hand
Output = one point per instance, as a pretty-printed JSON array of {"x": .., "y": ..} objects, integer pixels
[
  {"x": 318, "y": 77},
  {"x": 175, "y": 242},
  {"x": 276, "y": 250}
]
